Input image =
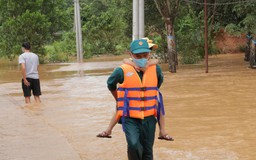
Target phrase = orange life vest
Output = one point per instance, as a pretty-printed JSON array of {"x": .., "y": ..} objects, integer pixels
[{"x": 137, "y": 98}]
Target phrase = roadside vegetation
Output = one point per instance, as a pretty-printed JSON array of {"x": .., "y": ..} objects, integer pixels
[{"x": 107, "y": 26}]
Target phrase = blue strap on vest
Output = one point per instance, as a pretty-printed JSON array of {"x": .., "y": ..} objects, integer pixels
[
  {"x": 138, "y": 89},
  {"x": 138, "y": 98},
  {"x": 138, "y": 108},
  {"x": 160, "y": 107},
  {"x": 125, "y": 108}
]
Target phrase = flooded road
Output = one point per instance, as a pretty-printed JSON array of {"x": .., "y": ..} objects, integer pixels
[{"x": 211, "y": 116}]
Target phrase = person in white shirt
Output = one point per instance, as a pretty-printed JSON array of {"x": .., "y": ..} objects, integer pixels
[{"x": 30, "y": 77}]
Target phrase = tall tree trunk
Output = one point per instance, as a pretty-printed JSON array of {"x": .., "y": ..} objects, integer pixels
[
  {"x": 171, "y": 46},
  {"x": 168, "y": 10}
]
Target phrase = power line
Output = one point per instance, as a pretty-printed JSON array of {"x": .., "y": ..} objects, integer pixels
[{"x": 219, "y": 4}]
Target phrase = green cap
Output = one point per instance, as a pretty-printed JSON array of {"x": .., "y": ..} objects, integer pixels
[{"x": 139, "y": 46}]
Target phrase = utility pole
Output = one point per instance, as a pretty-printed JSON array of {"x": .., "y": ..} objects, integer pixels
[
  {"x": 205, "y": 36},
  {"x": 79, "y": 48},
  {"x": 141, "y": 19},
  {"x": 135, "y": 19},
  {"x": 138, "y": 19}
]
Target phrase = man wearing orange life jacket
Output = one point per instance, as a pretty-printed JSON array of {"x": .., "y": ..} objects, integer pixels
[{"x": 138, "y": 102}]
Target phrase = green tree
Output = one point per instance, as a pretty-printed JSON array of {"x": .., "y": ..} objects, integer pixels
[
  {"x": 155, "y": 29},
  {"x": 190, "y": 35},
  {"x": 14, "y": 31},
  {"x": 34, "y": 21},
  {"x": 247, "y": 13},
  {"x": 168, "y": 10},
  {"x": 103, "y": 27}
]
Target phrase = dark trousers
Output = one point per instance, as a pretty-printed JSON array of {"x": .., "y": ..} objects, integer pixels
[{"x": 140, "y": 136}]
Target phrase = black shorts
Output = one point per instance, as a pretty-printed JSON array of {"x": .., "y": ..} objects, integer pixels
[{"x": 34, "y": 86}]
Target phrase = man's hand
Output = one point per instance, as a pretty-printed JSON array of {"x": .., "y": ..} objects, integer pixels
[{"x": 26, "y": 82}]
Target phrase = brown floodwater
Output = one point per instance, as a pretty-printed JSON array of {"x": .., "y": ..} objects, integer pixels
[{"x": 211, "y": 116}]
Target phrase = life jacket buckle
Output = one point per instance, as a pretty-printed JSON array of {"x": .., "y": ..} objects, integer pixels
[
  {"x": 143, "y": 88},
  {"x": 142, "y": 108},
  {"x": 142, "y": 98}
]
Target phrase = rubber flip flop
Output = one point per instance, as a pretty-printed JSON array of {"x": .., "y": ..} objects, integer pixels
[
  {"x": 166, "y": 137},
  {"x": 103, "y": 135}
]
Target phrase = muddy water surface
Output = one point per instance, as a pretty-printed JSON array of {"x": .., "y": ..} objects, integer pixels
[{"x": 211, "y": 116}]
